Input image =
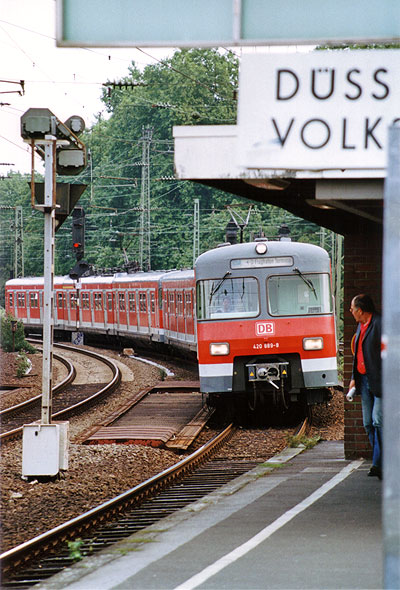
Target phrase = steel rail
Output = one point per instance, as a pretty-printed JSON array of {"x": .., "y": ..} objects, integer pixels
[
  {"x": 16, "y": 432},
  {"x": 302, "y": 428},
  {"x": 96, "y": 396},
  {"x": 68, "y": 379},
  {"x": 77, "y": 527}
]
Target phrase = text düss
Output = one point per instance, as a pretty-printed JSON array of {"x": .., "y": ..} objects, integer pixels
[{"x": 323, "y": 84}]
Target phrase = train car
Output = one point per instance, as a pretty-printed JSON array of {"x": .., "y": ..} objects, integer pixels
[
  {"x": 82, "y": 306},
  {"x": 137, "y": 306},
  {"x": 118, "y": 305},
  {"x": 178, "y": 296},
  {"x": 260, "y": 316},
  {"x": 266, "y": 325},
  {"x": 24, "y": 300}
]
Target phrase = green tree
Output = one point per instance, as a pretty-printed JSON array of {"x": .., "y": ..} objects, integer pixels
[
  {"x": 15, "y": 192},
  {"x": 13, "y": 340},
  {"x": 193, "y": 86}
]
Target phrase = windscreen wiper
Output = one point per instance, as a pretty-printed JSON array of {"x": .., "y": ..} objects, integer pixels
[
  {"x": 218, "y": 285},
  {"x": 308, "y": 282}
]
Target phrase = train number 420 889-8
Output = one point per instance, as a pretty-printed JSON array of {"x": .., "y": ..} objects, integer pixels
[{"x": 260, "y": 345}]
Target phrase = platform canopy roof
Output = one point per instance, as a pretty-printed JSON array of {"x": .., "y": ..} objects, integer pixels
[{"x": 334, "y": 199}]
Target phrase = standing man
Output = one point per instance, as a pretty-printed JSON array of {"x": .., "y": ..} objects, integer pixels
[{"x": 366, "y": 377}]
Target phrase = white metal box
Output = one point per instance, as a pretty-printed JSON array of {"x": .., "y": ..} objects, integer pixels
[
  {"x": 40, "y": 449},
  {"x": 64, "y": 444}
]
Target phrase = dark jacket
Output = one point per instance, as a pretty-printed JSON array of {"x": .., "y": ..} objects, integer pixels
[{"x": 371, "y": 346}]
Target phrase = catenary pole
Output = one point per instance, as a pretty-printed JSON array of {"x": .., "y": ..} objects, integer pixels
[
  {"x": 196, "y": 230},
  {"x": 19, "y": 266},
  {"x": 391, "y": 364},
  {"x": 145, "y": 239}
]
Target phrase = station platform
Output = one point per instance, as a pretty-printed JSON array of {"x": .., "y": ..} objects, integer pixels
[{"x": 304, "y": 520}]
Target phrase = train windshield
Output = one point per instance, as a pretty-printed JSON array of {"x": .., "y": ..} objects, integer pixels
[
  {"x": 300, "y": 294},
  {"x": 226, "y": 298}
]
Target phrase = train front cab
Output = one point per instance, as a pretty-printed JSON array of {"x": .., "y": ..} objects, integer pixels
[{"x": 266, "y": 326}]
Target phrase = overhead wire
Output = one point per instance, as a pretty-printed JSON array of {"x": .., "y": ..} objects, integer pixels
[{"x": 173, "y": 68}]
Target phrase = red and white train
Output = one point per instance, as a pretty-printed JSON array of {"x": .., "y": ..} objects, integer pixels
[{"x": 260, "y": 316}]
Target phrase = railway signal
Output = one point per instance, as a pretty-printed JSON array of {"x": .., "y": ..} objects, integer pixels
[
  {"x": 67, "y": 195},
  {"x": 78, "y": 232},
  {"x": 71, "y": 151},
  {"x": 64, "y": 153},
  {"x": 78, "y": 243},
  {"x": 80, "y": 268},
  {"x": 70, "y": 157}
]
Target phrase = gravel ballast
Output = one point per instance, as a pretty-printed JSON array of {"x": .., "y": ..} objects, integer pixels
[{"x": 99, "y": 472}]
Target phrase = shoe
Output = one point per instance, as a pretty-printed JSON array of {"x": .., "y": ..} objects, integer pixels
[{"x": 375, "y": 471}]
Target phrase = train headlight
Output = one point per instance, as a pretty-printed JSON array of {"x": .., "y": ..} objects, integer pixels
[
  {"x": 261, "y": 248},
  {"x": 313, "y": 343},
  {"x": 219, "y": 348}
]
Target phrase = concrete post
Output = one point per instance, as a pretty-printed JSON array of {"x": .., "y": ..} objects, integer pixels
[
  {"x": 48, "y": 295},
  {"x": 391, "y": 364}
]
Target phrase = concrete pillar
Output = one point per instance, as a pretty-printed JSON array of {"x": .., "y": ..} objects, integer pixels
[{"x": 362, "y": 274}]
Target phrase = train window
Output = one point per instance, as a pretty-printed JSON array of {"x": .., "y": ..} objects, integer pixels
[
  {"x": 121, "y": 301},
  {"x": 171, "y": 302},
  {"x": 98, "y": 301},
  {"x": 301, "y": 294},
  {"x": 152, "y": 302},
  {"x": 72, "y": 300},
  {"x": 60, "y": 300},
  {"x": 85, "y": 300},
  {"x": 11, "y": 299},
  {"x": 142, "y": 302},
  {"x": 132, "y": 302},
  {"x": 20, "y": 299},
  {"x": 179, "y": 303},
  {"x": 227, "y": 298},
  {"x": 188, "y": 304},
  {"x": 33, "y": 299},
  {"x": 109, "y": 302}
]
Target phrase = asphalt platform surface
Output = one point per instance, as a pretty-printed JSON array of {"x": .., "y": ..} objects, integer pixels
[{"x": 304, "y": 520}]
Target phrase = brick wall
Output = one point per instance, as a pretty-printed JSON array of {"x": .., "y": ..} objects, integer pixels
[{"x": 362, "y": 274}]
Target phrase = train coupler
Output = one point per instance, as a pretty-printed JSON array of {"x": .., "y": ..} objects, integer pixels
[{"x": 272, "y": 373}]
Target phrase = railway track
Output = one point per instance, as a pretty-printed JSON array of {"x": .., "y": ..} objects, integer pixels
[
  {"x": 119, "y": 517},
  {"x": 68, "y": 399},
  {"x": 187, "y": 481}
]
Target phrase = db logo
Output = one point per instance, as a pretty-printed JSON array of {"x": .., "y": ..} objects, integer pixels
[{"x": 265, "y": 328}]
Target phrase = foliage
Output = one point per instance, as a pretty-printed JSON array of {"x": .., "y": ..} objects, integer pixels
[
  {"x": 192, "y": 87},
  {"x": 307, "y": 442},
  {"x": 74, "y": 549},
  {"x": 360, "y": 46},
  {"x": 10, "y": 342},
  {"x": 23, "y": 364},
  {"x": 15, "y": 192}
]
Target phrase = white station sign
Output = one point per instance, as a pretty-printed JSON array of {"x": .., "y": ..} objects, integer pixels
[{"x": 317, "y": 111}]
